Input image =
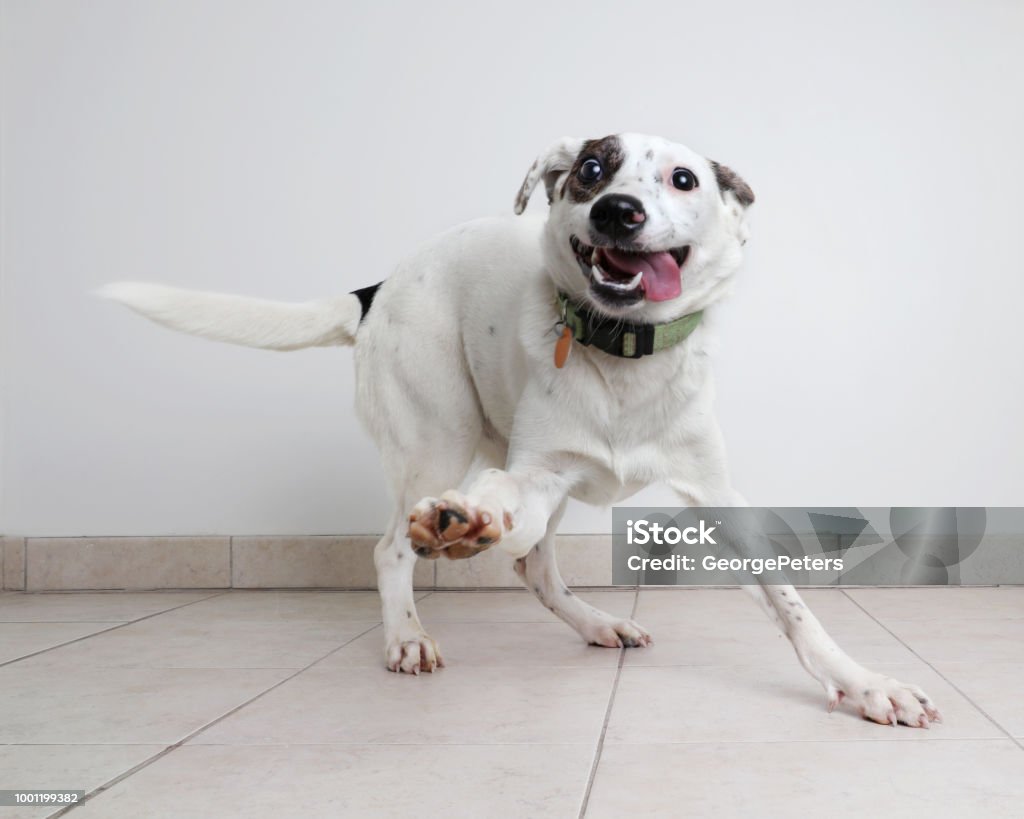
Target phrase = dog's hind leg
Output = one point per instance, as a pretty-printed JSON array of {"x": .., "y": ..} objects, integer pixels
[
  {"x": 407, "y": 647},
  {"x": 421, "y": 454},
  {"x": 539, "y": 571},
  {"x": 427, "y": 431}
]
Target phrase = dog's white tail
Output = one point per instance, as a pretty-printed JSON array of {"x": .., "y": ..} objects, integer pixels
[{"x": 272, "y": 325}]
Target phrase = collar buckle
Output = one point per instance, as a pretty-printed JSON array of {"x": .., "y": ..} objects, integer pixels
[{"x": 638, "y": 340}]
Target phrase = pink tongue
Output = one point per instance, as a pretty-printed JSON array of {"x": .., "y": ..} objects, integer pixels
[{"x": 661, "y": 279}]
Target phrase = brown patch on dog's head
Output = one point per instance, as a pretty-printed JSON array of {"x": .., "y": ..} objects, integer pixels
[
  {"x": 729, "y": 180},
  {"x": 608, "y": 151}
]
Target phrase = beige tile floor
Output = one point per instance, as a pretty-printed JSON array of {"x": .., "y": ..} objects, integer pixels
[{"x": 274, "y": 704}]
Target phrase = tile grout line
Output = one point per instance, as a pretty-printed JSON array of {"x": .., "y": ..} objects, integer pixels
[
  {"x": 607, "y": 717},
  {"x": 523, "y": 744},
  {"x": 174, "y": 746},
  {"x": 948, "y": 681},
  {"x": 114, "y": 627}
]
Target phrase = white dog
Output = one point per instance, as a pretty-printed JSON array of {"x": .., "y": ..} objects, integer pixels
[{"x": 527, "y": 362}]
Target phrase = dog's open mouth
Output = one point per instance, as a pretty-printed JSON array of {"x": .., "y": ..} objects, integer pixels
[{"x": 626, "y": 276}]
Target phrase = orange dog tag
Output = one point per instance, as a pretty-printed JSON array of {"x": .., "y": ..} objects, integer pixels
[{"x": 562, "y": 347}]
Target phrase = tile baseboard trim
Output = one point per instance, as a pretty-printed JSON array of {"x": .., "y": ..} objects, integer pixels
[
  {"x": 299, "y": 562},
  {"x": 321, "y": 562}
]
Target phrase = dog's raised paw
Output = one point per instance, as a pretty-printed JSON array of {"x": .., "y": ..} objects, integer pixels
[
  {"x": 452, "y": 526},
  {"x": 886, "y": 701},
  {"x": 413, "y": 655}
]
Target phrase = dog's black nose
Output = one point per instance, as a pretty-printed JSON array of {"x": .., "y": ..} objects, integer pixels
[{"x": 617, "y": 215}]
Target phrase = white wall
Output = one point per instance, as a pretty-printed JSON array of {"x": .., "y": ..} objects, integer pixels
[{"x": 872, "y": 354}]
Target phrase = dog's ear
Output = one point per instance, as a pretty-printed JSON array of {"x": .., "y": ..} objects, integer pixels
[
  {"x": 730, "y": 182},
  {"x": 550, "y": 165}
]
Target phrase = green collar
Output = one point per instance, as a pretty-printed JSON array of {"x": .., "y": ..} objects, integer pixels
[{"x": 624, "y": 339}]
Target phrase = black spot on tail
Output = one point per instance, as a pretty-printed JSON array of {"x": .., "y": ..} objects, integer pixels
[{"x": 365, "y": 296}]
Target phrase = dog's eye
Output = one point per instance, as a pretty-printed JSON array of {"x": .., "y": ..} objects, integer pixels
[
  {"x": 590, "y": 170},
  {"x": 684, "y": 179}
]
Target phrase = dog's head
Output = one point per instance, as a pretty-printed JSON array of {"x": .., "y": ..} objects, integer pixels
[{"x": 639, "y": 227}]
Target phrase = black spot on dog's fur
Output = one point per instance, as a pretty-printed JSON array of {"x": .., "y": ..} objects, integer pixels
[
  {"x": 729, "y": 180},
  {"x": 408, "y": 614},
  {"x": 649, "y": 154},
  {"x": 491, "y": 329},
  {"x": 608, "y": 151}
]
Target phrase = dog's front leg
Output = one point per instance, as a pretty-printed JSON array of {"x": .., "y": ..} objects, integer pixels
[
  {"x": 511, "y": 508},
  {"x": 874, "y": 696}
]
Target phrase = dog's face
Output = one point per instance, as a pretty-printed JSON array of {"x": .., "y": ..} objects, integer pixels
[{"x": 639, "y": 227}]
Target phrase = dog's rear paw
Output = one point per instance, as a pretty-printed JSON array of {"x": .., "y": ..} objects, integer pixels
[
  {"x": 413, "y": 655},
  {"x": 887, "y": 701},
  {"x": 454, "y": 527},
  {"x": 618, "y": 634}
]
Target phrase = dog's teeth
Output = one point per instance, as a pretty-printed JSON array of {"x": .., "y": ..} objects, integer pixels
[{"x": 624, "y": 287}]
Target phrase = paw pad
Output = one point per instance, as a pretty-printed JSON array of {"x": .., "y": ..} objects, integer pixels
[{"x": 452, "y": 527}]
